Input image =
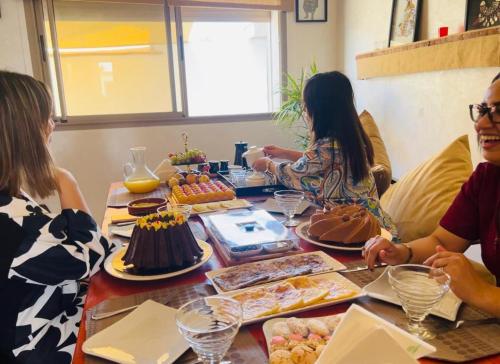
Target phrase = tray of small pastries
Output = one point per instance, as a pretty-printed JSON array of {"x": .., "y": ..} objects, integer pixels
[
  {"x": 297, "y": 340},
  {"x": 294, "y": 295}
]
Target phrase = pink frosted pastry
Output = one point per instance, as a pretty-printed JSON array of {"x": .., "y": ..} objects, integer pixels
[
  {"x": 303, "y": 354},
  {"x": 294, "y": 340},
  {"x": 278, "y": 343},
  {"x": 281, "y": 357}
]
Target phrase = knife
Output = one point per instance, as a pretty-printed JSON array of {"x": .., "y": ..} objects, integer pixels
[{"x": 360, "y": 268}]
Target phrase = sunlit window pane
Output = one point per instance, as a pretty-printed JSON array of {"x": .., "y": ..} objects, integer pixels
[
  {"x": 228, "y": 61},
  {"x": 114, "y": 57}
]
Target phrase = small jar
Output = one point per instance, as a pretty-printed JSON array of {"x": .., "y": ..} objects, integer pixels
[
  {"x": 224, "y": 165},
  {"x": 214, "y": 167}
]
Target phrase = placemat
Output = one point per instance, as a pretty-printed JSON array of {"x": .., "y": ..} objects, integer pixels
[
  {"x": 120, "y": 197},
  {"x": 454, "y": 345},
  {"x": 245, "y": 348}
]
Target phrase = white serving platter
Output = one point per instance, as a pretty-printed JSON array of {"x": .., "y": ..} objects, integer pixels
[
  {"x": 334, "y": 276},
  {"x": 108, "y": 265},
  {"x": 301, "y": 231},
  {"x": 332, "y": 263}
]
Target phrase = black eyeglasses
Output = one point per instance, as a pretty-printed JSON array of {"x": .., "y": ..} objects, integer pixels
[{"x": 479, "y": 110}]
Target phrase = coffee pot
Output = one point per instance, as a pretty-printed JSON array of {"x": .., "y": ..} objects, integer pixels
[{"x": 240, "y": 148}]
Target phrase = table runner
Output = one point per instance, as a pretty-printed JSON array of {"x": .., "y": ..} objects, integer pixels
[
  {"x": 245, "y": 348},
  {"x": 455, "y": 345}
]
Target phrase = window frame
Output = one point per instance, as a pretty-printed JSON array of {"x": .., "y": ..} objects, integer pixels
[{"x": 37, "y": 38}]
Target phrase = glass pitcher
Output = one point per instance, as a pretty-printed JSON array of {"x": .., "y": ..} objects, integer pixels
[{"x": 138, "y": 177}]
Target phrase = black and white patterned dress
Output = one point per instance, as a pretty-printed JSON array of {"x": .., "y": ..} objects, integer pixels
[{"x": 45, "y": 261}]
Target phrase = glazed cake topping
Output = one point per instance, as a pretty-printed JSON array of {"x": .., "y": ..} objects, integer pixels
[{"x": 162, "y": 220}]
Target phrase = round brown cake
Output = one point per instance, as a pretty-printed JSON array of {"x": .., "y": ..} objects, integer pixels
[
  {"x": 344, "y": 224},
  {"x": 161, "y": 243}
]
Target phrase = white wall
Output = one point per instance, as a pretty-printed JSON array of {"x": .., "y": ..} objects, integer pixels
[
  {"x": 14, "y": 48},
  {"x": 96, "y": 156},
  {"x": 418, "y": 114}
]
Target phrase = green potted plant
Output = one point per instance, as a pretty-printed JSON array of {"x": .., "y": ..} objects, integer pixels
[{"x": 290, "y": 112}]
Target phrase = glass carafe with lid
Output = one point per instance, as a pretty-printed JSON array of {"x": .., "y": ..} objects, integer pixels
[{"x": 138, "y": 177}]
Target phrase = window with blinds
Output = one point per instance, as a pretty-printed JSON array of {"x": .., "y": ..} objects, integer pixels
[{"x": 139, "y": 60}]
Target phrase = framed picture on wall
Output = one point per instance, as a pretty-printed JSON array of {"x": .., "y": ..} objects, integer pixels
[
  {"x": 405, "y": 19},
  {"x": 482, "y": 14},
  {"x": 311, "y": 10}
]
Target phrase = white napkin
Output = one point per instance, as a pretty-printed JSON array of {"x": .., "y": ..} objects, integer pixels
[
  {"x": 146, "y": 335},
  {"x": 363, "y": 337},
  {"x": 165, "y": 170}
]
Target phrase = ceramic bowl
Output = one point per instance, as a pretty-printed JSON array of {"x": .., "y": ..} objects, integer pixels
[{"x": 144, "y": 206}]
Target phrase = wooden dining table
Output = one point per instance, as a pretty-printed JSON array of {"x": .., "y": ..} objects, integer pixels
[{"x": 103, "y": 286}]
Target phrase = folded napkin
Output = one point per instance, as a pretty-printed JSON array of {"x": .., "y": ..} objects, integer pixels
[
  {"x": 146, "y": 335},
  {"x": 363, "y": 337},
  {"x": 121, "y": 216}
]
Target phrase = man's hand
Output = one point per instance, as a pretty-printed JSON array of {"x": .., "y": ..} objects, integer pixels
[{"x": 378, "y": 249}]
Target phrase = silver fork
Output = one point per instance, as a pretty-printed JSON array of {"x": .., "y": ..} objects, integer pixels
[{"x": 100, "y": 316}]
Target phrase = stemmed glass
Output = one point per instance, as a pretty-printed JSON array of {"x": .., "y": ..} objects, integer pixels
[
  {"x": 419, "y": 288},
  {"x": 289, "y": 201},
  {"x": 209, "y": 325},
  {"x": 184, "y": 209}
]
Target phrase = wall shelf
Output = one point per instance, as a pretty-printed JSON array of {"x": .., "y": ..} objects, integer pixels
[{"x": 473, "y": 49}]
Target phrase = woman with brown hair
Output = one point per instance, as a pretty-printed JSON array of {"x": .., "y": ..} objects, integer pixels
[{"x": 45, "y": 258}]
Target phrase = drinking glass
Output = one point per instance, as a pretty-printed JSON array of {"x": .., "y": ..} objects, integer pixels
[
  {"x": 419, "y": 288},
  {"x": 209, "y": 325},
  {"x": 289, "y": 201},
  {"x": 182, "y": 208}
]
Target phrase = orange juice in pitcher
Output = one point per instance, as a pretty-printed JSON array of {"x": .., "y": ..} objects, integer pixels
[{"x": 138, "y": 177}]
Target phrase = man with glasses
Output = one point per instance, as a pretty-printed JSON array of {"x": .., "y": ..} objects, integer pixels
[{"x": 473, "y": 217}]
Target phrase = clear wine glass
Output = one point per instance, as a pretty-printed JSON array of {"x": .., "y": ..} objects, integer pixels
[
  {"x": 209, "y": 325},
  {"x": 182, "y": 208},
  {"x": 289, "y": 201},
  {"x": 419, "y": 288}
]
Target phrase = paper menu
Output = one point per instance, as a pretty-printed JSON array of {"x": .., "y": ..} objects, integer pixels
[
  {"x": 363, "y": 337},
  {"x": 244, "y": 227},
  {"x": 381, "y": 289}
]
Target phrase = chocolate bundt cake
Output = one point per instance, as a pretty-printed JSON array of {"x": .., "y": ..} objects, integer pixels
[
  {"x": 344, "y": 224},
  {"x": 161, "y": 243}
]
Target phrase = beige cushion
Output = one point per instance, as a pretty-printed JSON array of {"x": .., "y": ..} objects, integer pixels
[
  {"x": 382, "y": 168},
  {"x": 418, "y": 201}
]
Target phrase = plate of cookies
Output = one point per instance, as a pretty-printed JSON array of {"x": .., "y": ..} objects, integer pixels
[
  {"x": 201, "y": 208},
  {"x": 298, "y": 340}
]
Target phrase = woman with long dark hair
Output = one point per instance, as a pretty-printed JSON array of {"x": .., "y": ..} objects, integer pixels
[{"x": 335, "y": 168}]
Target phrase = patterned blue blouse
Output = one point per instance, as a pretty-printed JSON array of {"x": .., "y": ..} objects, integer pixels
[
  {"x": 47, "y": 260},
  {"x": 321, "y": 175}
]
